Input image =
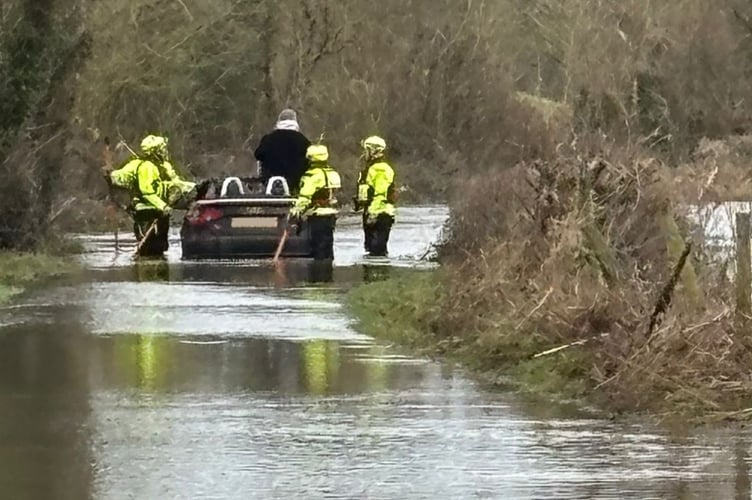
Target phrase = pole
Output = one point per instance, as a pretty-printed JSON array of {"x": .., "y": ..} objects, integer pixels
[
  {"x": 146, "y": 236},
  {"x": 124, "y": 144},
  {"x": 743, "y": 267},
  {"x": 282, "y": 240}
]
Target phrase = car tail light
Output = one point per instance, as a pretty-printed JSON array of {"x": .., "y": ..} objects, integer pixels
[{"x": 202, "y": 215}]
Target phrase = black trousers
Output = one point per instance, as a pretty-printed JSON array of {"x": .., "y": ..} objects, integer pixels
[
  {"x": 156, "y": 243},
  {"x": 321, "y": 231},
  {"x": 377, "y": 234}
]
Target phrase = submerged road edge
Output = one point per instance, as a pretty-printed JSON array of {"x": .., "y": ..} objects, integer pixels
[{"x": 405, "y": 309}]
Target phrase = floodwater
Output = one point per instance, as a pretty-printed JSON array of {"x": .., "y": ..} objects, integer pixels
[{"x": 178, "y": 380}]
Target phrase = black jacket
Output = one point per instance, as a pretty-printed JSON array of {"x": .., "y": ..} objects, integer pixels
[{"x": 282, "y": 152}]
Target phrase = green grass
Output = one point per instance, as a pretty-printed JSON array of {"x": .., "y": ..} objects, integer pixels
[
  {"x": 407, "y": 310},
  {"x": 8, "y": 292},
  {"x": 398, "y": 309},
  {"x": 19, "y": 271}
]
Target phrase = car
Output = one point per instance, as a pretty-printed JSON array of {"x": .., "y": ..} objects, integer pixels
[{"x": 241, "y": 218}]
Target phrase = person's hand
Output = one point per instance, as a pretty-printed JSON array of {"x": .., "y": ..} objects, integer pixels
[{"x": 167, "y": 211}]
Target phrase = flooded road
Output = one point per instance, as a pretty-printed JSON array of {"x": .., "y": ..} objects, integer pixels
[{"x": 180, "y": 380}]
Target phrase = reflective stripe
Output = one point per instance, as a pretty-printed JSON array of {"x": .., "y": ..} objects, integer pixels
[
  {"x": 140, "y": 206},
  {"x": 363, "y": 192},
  {"x": 317, "y": 190},
  {"x": 324, "y": 211}
]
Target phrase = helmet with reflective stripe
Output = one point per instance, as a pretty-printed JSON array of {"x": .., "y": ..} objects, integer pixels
[
  {"x": 317, "y": 153},
  {"x": 154, "y": 144},
  {"x": 374, "y": 144}
]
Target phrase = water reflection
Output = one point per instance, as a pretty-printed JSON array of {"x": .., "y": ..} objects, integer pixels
[
  {"x": 372, "y": 273},
  {"x": 292, "y": 273},
  {"x": 44, "y": 415},
  {"x": 742, "y": 487},
  {"x": 148, "y": 363},
  {"x": 321, "y": 364},
  {"x": 145, "y": 270},
  {"x": 285, "y": 274}
]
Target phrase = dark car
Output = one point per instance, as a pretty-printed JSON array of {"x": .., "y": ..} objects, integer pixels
[{"x": 239, "y": 218}]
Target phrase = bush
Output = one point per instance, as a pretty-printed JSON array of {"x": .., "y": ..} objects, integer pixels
[{"x": 586, "y": 249}]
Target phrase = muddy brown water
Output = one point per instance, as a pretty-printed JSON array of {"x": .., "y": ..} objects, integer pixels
[{"x": 229, "y": 380}]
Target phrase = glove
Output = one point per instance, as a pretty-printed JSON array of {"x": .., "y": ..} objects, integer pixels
[
  {"x": 294, "y": 220},
  {"x": 294, "y": 224}
]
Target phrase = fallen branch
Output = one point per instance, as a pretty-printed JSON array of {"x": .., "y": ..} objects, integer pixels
[
  {"x": 719, "y": 317},
  {"x": 719, "y": 416},
  {"x": 62, "y": 208},
  {"x": 567, "y": 346}
]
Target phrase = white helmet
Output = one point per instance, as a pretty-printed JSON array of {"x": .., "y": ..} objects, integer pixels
[{"x": 374, "y": 145}]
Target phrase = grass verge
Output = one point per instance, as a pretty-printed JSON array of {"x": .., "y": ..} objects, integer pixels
[
  {"x": 19, "y": 271},
  {"x": 407, "y": 310}
]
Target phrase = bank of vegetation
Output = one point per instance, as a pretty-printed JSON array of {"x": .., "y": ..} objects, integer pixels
[
  {"x": 588, "y": 278},
  {"x": 22, "y": 270}
]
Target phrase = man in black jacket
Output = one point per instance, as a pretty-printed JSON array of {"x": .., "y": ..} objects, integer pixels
[{"x": 283, "y": 151}]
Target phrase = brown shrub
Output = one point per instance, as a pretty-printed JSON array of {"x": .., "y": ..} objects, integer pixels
[
  {"x": 580, "y": 248},
  {"x": 718, "y": 170}
]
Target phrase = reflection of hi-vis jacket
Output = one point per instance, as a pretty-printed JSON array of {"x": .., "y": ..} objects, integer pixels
[
  {"x": 318, "y": 188},
  {"x": 376, "y": 189}
]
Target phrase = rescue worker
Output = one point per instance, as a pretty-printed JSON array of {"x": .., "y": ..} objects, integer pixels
[
  {"x": 317, "y": 201},
  {"x": 282, "y": 152},
  {"x": 150, "y": 177},
  {"x": 376, "y": 196}
]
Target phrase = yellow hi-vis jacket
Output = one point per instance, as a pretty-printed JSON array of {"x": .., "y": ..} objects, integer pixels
[
  {"x": 146, "y": 182},
  {"x": 376, "y": 189},
  {"x": 125, "y": 176},
  {"x": 151, "y": 186},
  {"x": 169, "y": 172},
  {"x": 317, "y": 195}
]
